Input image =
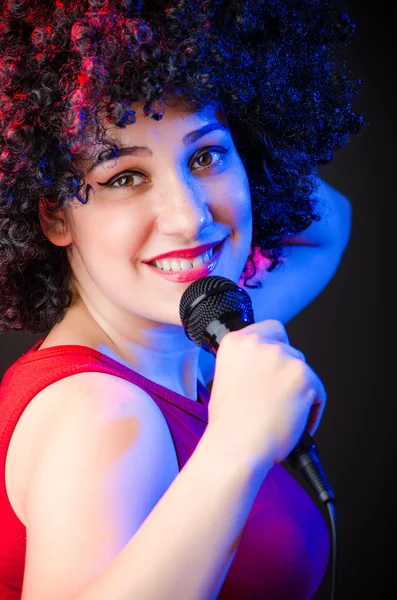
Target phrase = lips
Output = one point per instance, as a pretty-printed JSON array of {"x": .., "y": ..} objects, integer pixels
[
  {"x": 185, "y": 276},
  {"x": 186, "y": 253}
]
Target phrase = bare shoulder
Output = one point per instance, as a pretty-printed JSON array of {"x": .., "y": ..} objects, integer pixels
[
  {"x": 105, "y": 457},
  {"x": 90, "y": 398}
]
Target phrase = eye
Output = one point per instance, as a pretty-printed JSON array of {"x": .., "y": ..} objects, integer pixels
[
  {"x": 206, "y": 160},
  {"x": 125, "y": 180}
]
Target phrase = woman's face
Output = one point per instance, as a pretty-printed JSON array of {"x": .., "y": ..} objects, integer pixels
[{"x": 184, "y": 186}]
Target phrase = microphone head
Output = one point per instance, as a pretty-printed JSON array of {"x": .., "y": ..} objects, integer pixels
[{"x": 209, "y": 299}]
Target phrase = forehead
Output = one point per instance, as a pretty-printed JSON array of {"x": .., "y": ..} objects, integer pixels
[{"x": 176, "y": 121}]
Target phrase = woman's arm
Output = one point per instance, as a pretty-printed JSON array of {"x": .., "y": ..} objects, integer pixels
[{"x": 309, "y": 262}]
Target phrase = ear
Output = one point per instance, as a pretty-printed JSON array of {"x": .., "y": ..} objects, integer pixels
[{"x": 54, "y": 224}]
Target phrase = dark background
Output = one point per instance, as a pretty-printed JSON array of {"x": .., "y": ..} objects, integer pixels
[{"x": 347, "y": 333}]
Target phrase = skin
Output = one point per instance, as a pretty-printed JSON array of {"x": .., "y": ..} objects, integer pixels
[{"x": 186, "y": 196}]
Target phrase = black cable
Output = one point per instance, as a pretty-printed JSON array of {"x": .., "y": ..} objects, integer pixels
[
  {"x": 305, "y": 459},
  {"x": 333, "y": 526}
]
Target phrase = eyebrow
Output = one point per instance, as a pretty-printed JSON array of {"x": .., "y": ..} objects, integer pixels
[{"x": 189, "y": 138}]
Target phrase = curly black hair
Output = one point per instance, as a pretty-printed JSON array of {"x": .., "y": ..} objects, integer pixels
[{"x": 70, "y": 69}]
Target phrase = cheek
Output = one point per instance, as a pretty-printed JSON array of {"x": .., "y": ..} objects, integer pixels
[
  {"x": 125, "y": 240},
  {"x": 235, "y": 199},
  {"x": 114, "y": 235}
]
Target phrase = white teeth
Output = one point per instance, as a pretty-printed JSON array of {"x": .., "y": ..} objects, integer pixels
[
  {"x": 183, "y": 265},
  {"x": 199, "y": 259}
]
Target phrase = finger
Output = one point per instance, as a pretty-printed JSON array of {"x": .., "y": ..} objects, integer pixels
[
  {"x": 314, "y": 418},
  {"x": 291, "y": 351},
  {"x": 271, "y": 330},
  {"x": 317, "y": 396}
]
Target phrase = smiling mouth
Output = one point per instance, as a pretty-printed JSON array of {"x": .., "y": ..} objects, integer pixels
[
  {"x": 211, "y": 252},
  {"x": 192, "y": 273}
]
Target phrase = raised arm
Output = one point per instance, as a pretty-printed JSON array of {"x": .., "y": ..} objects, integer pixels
[
  {"x": 308, "y": 264},
  {"x": 309, "y": 261}
]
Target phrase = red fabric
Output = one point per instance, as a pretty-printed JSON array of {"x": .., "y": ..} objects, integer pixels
[{"x": 284, "y": 550}]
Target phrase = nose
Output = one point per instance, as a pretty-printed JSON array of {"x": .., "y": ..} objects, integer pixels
[{"x": 184, "y": 211}]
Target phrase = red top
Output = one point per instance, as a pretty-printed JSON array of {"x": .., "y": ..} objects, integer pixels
[{"x": 284, "y": 550}]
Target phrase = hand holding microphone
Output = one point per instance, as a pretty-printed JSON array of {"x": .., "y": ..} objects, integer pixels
[{"x": 264, "y": 395}]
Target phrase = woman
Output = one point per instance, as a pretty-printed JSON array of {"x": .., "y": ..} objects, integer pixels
[{"x": 130, "y": 130}]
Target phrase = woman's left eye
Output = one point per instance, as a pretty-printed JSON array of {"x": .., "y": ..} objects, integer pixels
[{"x": 207, "y": 154}]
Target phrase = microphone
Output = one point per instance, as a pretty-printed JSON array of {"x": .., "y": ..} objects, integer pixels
[{"x": 210, "y": 308}]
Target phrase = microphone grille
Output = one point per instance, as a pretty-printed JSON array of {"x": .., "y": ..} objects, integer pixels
[{"x": 206, "y": 299}]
